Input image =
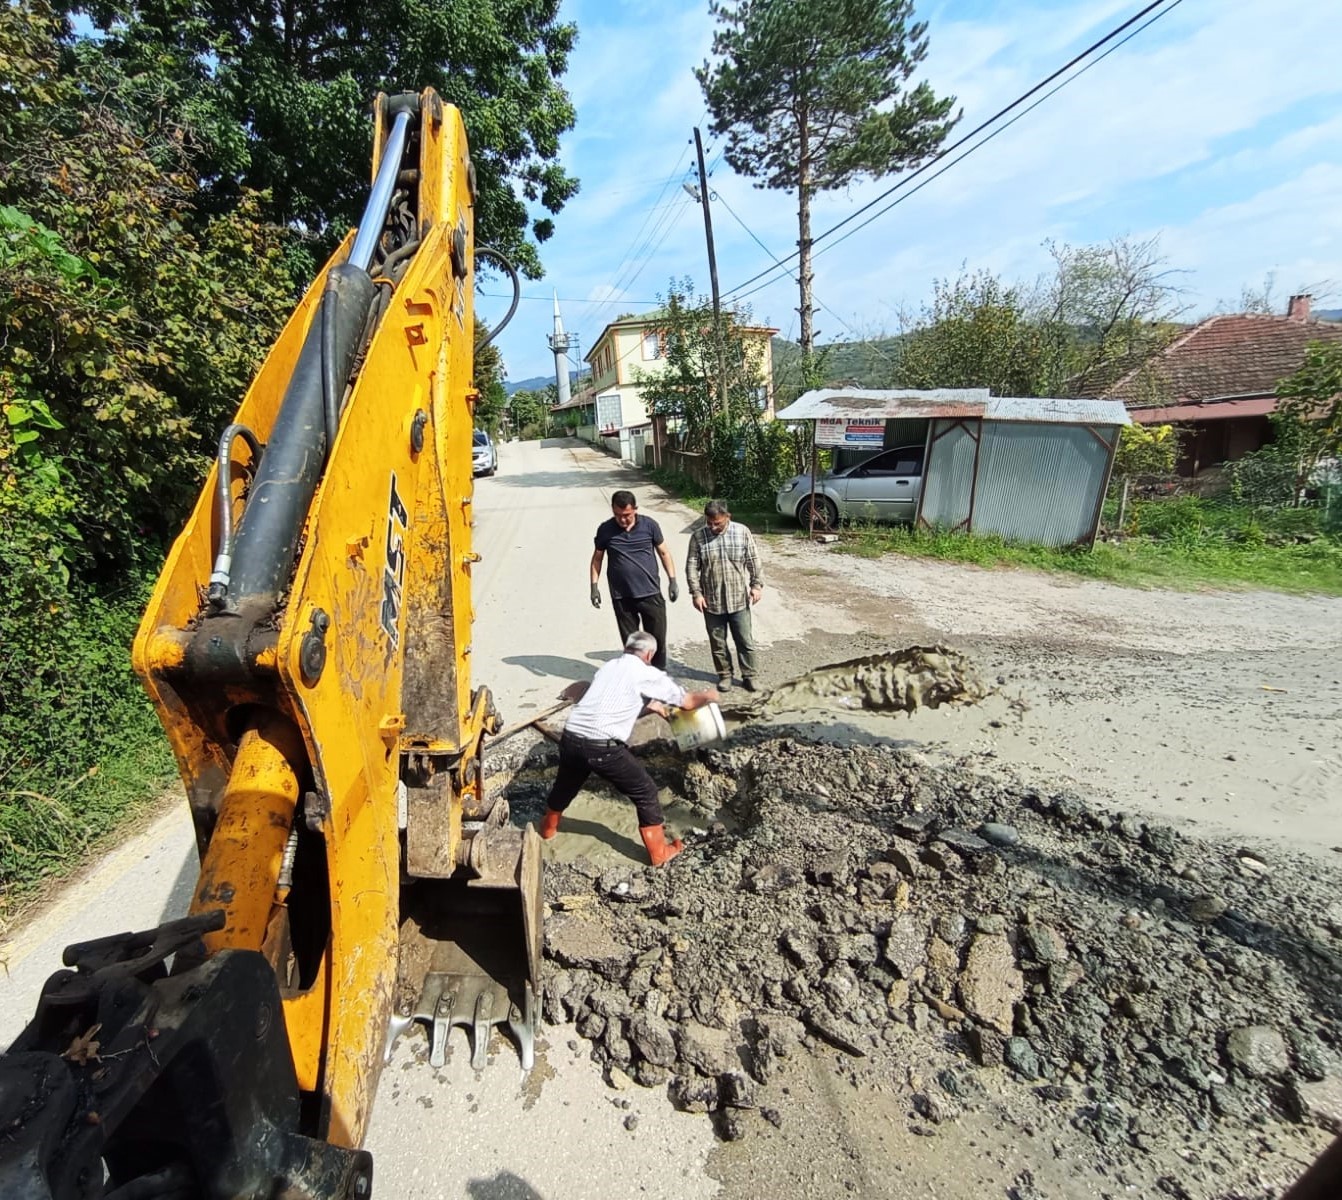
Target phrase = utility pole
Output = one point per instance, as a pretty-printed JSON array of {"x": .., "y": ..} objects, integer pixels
[{"x": 712, "y": 273}]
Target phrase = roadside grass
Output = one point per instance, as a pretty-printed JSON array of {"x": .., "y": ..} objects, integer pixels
[
  {"x": 750, "y": 513},
  {"x": 47, "y": 833},
  {"x": 1183, "y": 543}
]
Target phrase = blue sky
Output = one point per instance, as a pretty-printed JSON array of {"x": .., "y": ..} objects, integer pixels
[{"x": 1219, "y": 128}]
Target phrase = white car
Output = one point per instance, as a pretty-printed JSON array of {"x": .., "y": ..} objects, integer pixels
[
  {"x": 484, "y": 454},
  {"x": 884, "y": 488}
]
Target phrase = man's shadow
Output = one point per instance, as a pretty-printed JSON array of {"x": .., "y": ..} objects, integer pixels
[
  {"x": 602, "y": 833},
  {"x": 552, "y": 665}
]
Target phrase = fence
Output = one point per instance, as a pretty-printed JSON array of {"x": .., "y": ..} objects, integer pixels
[{"x": 696, "y": 466}]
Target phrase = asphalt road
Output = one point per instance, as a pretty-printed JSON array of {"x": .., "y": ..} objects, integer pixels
[
  {"x": 1242, "y": 690},
  {"x": 492, "y": 1135}
]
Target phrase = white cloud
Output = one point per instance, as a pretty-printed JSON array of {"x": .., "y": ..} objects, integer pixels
[{"x": 1188, "y": 129}]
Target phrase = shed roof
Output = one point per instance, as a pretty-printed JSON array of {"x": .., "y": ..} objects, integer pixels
[
  {"x": 1056, "y": 410},
  {"x": 583, "y": 400},
  {"x": 858, "y": 403}
]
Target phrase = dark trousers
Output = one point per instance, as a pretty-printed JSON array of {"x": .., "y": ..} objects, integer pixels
[
  {"x": 738, "y": 623},
  {"x": 612, "y": 761},
  {"x": 651, "y": 610}
]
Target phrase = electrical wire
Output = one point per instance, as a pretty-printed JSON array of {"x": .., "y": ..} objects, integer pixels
[
  {"x": 634, "y": 243},
  {"x": 561, "y": 299},
  {"x": 997, "y": 116},
  {"x": 995, "y": 132},
  {"x": 792, "y": 274}
]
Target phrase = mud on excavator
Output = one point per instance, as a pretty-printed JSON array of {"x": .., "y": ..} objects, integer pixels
[{"x": 308, "y": 648}]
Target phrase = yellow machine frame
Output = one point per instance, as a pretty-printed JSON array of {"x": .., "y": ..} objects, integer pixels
[{"x": 306, "y": 722}]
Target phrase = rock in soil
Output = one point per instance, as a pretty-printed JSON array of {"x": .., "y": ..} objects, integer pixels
[{"x": 1134, "y": 982}]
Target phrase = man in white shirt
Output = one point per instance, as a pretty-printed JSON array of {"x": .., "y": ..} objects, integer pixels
[{"x": 596, "y": 739}]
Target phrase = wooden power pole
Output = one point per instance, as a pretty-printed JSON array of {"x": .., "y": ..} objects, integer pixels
[{"x": 712, "y": 274}]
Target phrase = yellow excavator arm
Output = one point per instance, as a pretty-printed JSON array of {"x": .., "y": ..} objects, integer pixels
[{"x": 307, "y": 647}]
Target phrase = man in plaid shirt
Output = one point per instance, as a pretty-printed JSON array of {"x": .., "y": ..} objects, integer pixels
[{"x": 723, "y": 571}]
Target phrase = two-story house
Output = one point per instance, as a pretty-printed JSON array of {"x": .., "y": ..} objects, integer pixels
[{"x": 631, "y": 345}]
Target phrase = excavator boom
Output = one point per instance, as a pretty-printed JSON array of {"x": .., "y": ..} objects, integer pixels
[{"x": 307, "y": 648}]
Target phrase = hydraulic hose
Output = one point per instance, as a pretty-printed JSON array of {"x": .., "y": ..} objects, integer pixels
[
  {"x": 223, "y": 562},
  {"x": 502, "y": 259}
]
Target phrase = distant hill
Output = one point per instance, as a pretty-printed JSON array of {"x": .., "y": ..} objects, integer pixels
[
  {"x": 536, "y": 382},
  {"x": 1329, "y": 314},
  {"x": 867, "y": 364}
]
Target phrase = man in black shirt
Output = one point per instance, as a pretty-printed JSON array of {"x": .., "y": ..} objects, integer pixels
[{"x": 634, "y": 543}]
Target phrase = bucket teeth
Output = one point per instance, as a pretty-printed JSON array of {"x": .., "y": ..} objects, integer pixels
[
  {"x": 473, "y": 1002},
  {"x": 444, "y": 1017},
  {"x": 483, "y": 1006}
]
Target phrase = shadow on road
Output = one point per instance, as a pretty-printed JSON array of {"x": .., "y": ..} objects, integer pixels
[
  {"x": 602, "y": 833},
  {"x": 553, "y": 665},
  {"x": 547, "y": 479},
  {"x": 504, "y": 1186}
]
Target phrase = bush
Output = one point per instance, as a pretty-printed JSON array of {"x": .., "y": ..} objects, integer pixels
[
  {"x": 79, "y": 742},
  {"x": 750, "y": 461},
  {"x": 1264, "y": 478}
]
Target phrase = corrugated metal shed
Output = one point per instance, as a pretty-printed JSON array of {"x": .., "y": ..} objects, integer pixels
[
  {"x": 1042, "y": 482},
  {"x": 838, "y": 403},
  {"x": 1025, "y": 468},
  {"x": 949, "y": 469}
]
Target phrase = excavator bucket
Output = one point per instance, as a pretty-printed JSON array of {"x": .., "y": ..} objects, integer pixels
[{"x": 470, "y": 953}]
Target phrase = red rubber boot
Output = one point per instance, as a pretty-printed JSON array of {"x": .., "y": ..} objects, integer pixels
[{"x": 659, "y": 849}]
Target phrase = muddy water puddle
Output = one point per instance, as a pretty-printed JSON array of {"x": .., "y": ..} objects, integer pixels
[
  {"x": 901, "y": 681},
  {"x": 601, "y": 824}
]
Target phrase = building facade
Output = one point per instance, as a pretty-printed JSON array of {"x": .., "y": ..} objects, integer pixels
[{"x": 632, "y": 346}]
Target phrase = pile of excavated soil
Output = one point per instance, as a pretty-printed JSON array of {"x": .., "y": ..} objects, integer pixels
[{"x": 1145, "y": 992}]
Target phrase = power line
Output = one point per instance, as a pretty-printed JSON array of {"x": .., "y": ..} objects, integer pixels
[
  {"x": 562, "y": 299},
  {"x": 599, "y": 316},
  {"x": 995, "y": 132},
  {"x": 945, "y": 151},
  {"x": 793, "y": 276},
  {"x": 631, "y": 252},
  {"x": 636, "y": 248}
]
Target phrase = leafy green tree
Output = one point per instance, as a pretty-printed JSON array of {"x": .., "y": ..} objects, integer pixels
[
  {"x": 1104, "y": 310},
  {"x": 493, "y": 401},
  {"x": 979, "y": 332},
  {"x": 811, "y": 95},
  {"x": 529, "y": 412},
  {"x": 720, "y": 416},
  {"x": 275, "y": 98},
  {"x": 1308, "y": 419},
  {"x": 1113, "y": 304},
  {"x": 131, "y": 322}
]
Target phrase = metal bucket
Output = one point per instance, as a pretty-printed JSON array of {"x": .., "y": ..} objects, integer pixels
[{"x": 697, "y": 727}]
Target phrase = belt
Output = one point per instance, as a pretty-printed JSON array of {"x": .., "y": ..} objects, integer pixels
[{"x": 577, "y": 737}]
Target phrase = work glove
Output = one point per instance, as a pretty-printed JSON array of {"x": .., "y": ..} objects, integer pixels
[
  {"x": 673, "y": 590},
  {"x": 596, "y": 595}
]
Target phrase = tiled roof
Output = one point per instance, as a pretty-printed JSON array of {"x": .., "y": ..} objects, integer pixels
[{"x": 1239, "y": 354}]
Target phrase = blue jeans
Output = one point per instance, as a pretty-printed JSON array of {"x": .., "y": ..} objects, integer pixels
[{"x": 739, "y": 623}]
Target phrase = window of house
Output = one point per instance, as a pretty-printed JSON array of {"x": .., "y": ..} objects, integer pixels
[{"x": 652, "y": 344}]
